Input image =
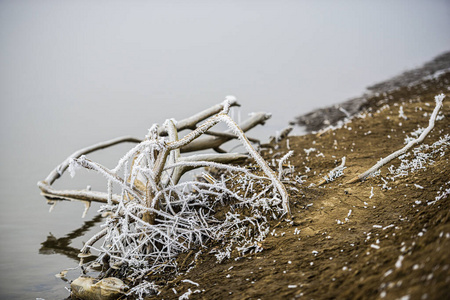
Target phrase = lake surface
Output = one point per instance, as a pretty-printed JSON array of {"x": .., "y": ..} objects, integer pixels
[{"x": 73, "y": 74}]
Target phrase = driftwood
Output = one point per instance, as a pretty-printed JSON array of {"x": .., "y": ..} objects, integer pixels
[
  {"x": 191, "y": 122},
  {"x": 214, "y": 141},
  {"x": 156, "y": 216}
]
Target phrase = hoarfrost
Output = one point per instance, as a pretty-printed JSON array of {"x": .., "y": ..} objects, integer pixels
[
  {"x": 336, "y": 172},
  {"x": 158, "y": 217}
]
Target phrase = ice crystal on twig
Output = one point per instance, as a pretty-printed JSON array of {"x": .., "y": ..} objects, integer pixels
[
  {"x": 156, "y": 216},
  {"x": 420, "y": 157},
  {"x": 336, "y": 172},
  {"x": 439, "y": 103}
]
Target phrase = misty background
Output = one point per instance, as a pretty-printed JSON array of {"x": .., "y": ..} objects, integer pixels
[{"x": 73, "y": 73}]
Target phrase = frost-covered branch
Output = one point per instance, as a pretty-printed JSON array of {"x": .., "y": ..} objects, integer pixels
[
  {"x": 185, "y": 164},
  {"x": 215, "y": 142},
  {"x": 191, "y": 122},
  {"x": 61, "y": 168},
  {"x": 83, "y": 195},
  {"x": 261, "y": 162},
  {"x": 86, "y": 163},
  {"x": 439, "y": 102},
  {"x": 156, "y": 217},
  {"x": 335, "y": 173}
]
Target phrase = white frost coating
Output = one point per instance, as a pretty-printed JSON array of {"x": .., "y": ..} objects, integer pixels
[
  {"x": 190, "y": 281},
  {"x": 388, "y": 272},
  {"x": 196, "y": 133},
  {"x": 84, "y": 162},
  {"x": 443, "y": 193},
  {"x": 439, "y": 102},
  {"x": 156, "y": 218},
  {"x": 131, "y": 153},
  {"x": 186, "y": 295},
  {"x": 211, "y": 164},
  {"x": 398, "y": 264},
  {"x": 309, "y": 150},
  {"x": 401, "y": 114},
  {"x": 143, "y": 289},
  {"x": 73, "y": 166},
  {"x": 414, "y": 135},
  {"x": 230, "y": 98},
  {"x": 420, "y": 157},
  {"x": 260, "y": 161},
  {"x": 226, "y": 104},
  {"x": 281, "y": 162},
  {"x": 336, "y": 172}
]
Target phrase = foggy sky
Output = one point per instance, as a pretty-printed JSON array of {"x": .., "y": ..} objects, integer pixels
[{"x": 84, "y": 61}]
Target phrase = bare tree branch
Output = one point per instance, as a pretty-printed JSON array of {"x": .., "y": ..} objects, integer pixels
[
  {"x": 191, "y": 122},
  {"x": 83, "y": 195},
  {"x": 59, "y": 170},
  {"x": 439, "y": 101},
  {"x": 216, "y": 142},
  {"x": 225, "y": 158}
]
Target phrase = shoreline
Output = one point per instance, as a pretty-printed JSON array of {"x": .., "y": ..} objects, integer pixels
[
  {"x": 321, "y": 118},
  {"x": 384, "y": 237}
]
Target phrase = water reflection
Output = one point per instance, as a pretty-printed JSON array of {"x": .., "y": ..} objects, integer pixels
[{"x": 53, "y": 245}]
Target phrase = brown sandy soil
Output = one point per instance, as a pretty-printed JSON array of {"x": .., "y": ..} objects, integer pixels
[{"x": 350, "y": 241}]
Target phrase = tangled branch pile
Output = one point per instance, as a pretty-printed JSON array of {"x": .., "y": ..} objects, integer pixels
[{"x": 156, "y": 216}]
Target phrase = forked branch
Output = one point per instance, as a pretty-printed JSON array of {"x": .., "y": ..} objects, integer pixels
[
  {"x": 189, "y": 143},
  {"x": 156, "y": 217}
]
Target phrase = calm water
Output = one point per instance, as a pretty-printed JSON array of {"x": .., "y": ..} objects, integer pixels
[{"x": 72, "y": 74}]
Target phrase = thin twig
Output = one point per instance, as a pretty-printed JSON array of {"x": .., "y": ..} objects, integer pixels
[
  {"x": 191, "y": 122},
  {"x": 439, "y": 102},
  {"x": 215, "y": 142},
  {"x": 48, "y": 192},
  {"x": 333, "y": 173},
  {"x": 59, "y": 170}
]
